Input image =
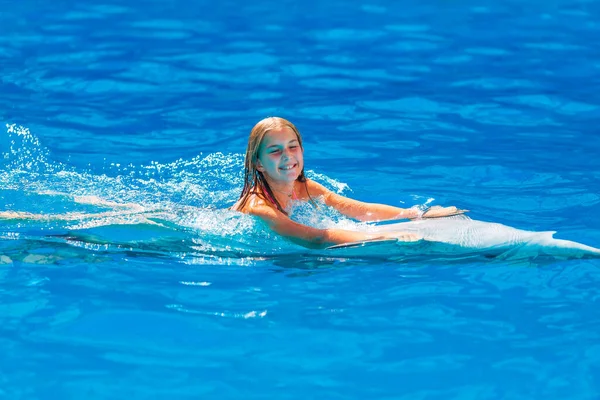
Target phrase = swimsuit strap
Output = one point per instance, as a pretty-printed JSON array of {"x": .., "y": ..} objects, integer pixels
[{"x": 269, "y": 197}]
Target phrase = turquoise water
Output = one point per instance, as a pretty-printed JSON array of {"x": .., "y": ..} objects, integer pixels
[{"x": 490, "y": 106}]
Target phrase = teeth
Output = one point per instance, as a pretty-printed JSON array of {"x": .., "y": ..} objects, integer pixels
[{"x": 288, "y": 168}]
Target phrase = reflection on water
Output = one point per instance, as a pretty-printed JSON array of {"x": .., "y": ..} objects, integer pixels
[{"x": 487, "y": 106}]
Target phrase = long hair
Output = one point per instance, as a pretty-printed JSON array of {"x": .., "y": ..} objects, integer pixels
[{"x": 254, "y": 180}]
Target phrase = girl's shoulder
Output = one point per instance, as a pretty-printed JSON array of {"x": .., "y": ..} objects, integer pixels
[
  {"x": 311, "y": 190},
  {"x": 251, "y": 203},
  {"x": 316, "y": 189}
]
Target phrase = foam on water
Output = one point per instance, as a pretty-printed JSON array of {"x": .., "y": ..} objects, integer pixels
[{"x": 132, "y": 206}]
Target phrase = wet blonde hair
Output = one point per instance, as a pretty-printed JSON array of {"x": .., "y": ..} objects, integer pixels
[{"x": 254, "y": 180}]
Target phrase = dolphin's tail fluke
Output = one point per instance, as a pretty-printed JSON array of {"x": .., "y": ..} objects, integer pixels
[{"x": 567, "y": 248}]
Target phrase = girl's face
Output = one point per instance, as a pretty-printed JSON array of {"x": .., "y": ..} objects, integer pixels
[{"x": 280, "y": 156}]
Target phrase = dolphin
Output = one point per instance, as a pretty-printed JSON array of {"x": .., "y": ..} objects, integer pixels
[{"x": 461, "y": 237}]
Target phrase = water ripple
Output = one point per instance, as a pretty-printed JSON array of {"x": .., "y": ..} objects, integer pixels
[{"x": 491, "y": 106}]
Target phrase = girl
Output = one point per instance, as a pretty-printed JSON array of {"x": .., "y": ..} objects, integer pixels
[{"x": 274, "y": 177}]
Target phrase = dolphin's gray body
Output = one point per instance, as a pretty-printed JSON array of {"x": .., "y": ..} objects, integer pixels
[{"x": 461, "y": 236}]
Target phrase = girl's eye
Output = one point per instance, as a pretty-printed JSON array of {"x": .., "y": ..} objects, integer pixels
[
  {"x": 275, "y": 152},
  {"x": 293, "y": 147}
]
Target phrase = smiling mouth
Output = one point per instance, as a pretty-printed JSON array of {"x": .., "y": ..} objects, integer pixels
[{"x": 289, "y": 167}]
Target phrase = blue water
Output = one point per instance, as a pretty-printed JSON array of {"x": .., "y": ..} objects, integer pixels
[{"x": 490, "y": 106}]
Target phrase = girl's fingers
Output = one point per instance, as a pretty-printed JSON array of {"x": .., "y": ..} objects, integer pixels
[{"x": 409, "y": 237}]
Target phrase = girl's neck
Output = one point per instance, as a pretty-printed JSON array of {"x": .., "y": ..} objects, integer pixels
[{"x": 282, "y": 192}]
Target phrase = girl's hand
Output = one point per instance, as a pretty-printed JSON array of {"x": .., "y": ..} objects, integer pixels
[
  {"x": 438, "y": 211},
  {"x": 404, "y": 236}
]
